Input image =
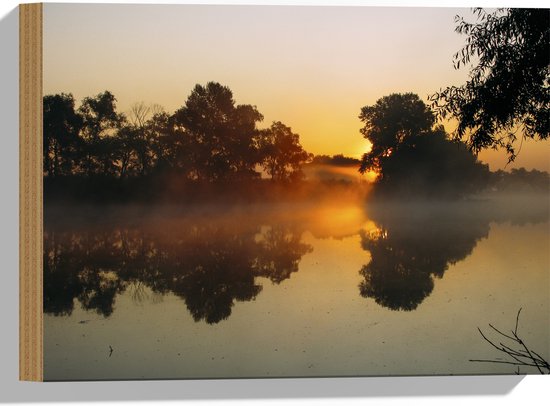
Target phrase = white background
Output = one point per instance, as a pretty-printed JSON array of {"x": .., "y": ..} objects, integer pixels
[{"x": 501, "y": 390}]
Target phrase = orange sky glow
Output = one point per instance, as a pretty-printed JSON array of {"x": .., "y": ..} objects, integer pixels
[{"x": 311, "y": 67}]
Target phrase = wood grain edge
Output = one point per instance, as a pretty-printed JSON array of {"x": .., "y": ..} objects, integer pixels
[{"x": 30, "y": 193}]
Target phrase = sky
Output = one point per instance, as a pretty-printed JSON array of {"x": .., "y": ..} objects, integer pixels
[{"x": 311, "y": 67}]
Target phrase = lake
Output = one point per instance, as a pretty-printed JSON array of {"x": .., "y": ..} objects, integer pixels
[{"x": 336, "y": 287}]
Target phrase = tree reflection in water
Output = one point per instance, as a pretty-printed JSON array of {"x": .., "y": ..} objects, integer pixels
[
  {"x": 212, "y": 262},
  {"x": 415, "y": 243},
  {"x": 210, "y": 265}
]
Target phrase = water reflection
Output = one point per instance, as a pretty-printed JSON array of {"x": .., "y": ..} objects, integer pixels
[
  {"x": 213, "y": 261},
  {"x": 210, "y": 265},
  {"x": 415, "y": 243}
]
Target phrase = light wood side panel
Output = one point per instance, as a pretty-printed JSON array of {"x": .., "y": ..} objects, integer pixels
[{"x": 30, "y": 193}]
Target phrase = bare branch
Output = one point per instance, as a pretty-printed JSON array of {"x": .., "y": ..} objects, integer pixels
[
  {"x": 139, "y": 113},
  {"x": 522, "y": 356}
]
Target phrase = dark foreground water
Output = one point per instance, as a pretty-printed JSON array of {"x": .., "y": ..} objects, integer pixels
[{"x": 292, "y": 289}]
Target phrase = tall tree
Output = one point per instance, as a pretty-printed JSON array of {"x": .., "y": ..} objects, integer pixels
[
  {"x": 101, "y": 122},
  {"x": 168, "y": 143},
  {"x": 509, "y": 83},
  {"x": 61, "y": 124},
  {"x": 141, "y": 133},
  {"x": 391, "y": 122},
  {"x": 223, "y": 138},
  {"x": 283, "y": 156},
  {"x": 126, "y": 146},
  {"x": 411, "y": 157}
]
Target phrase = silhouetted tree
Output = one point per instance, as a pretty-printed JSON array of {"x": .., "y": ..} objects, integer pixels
[
  {"x": 508, "y": 87},
  {"x": 340, "y": 159},
  {"x": 282, "y": 154},
  {"x": 139, "y": 114},
  {"x": 433, "y": 167},
  {"x": 393, "y": 121},
  {"x": 61, "y": 143},
  {"x": 520, "y": 180},
  {"x": 142, "y": 121},
  {"x": 337, "y": 160},
  {"x": 100, "y": 125},
  {"x": 169, "y": 144},
  {"x": 413, "y": 158},
  {"x": 223, "y": 138},
  {"x": 124, "y": 146},
  {"x": 102, "y": 154}
]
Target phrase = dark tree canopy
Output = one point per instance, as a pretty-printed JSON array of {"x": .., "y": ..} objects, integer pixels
[
  {"x": 433, "y": 167},
  {"x": 62, "y": 125},
  {"x": 508, "y": 90},
  {"x": 391, "y": 122},
  {"x": 101, "y": 121},
  {"x": 222, "y": 137},
  {"x": 336, "y": 160},
  {"x": 96, "y": 151},
  {"x": 100, "y": 115},
  {"x": 413, "y": 158},
  {"x": 283, "y": 156}
]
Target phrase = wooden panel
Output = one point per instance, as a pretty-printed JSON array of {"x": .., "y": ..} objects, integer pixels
[{"x": 30, "y": 193}]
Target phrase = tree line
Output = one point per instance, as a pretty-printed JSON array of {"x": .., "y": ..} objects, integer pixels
[{"x": 209, "y": 139}]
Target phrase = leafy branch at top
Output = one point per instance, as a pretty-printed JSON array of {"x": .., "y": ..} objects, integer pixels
[{"x": 509, "y": 83}]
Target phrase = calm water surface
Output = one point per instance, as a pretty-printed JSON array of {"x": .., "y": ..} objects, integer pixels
[{"x": 291, "y": 289}]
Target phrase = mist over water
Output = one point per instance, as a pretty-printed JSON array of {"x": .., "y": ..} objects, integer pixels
[{"x": 295, "y": 288}]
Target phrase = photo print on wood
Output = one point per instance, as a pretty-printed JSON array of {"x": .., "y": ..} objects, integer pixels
[{"x": 217, "y": 191}]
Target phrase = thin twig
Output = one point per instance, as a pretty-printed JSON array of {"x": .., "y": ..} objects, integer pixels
[
  {"x": 528, "y": 352},
  {"x": 501, "y": 333},
  {"x": 542, "y": 360},
  {"x": 521, "y": 357},
  {"x": 517, "y": 321}
]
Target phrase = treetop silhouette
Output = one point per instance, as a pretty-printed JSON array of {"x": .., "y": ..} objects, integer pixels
[
  {"x": 413, "y": 158},
  {"x": 209, "y": 139}
]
